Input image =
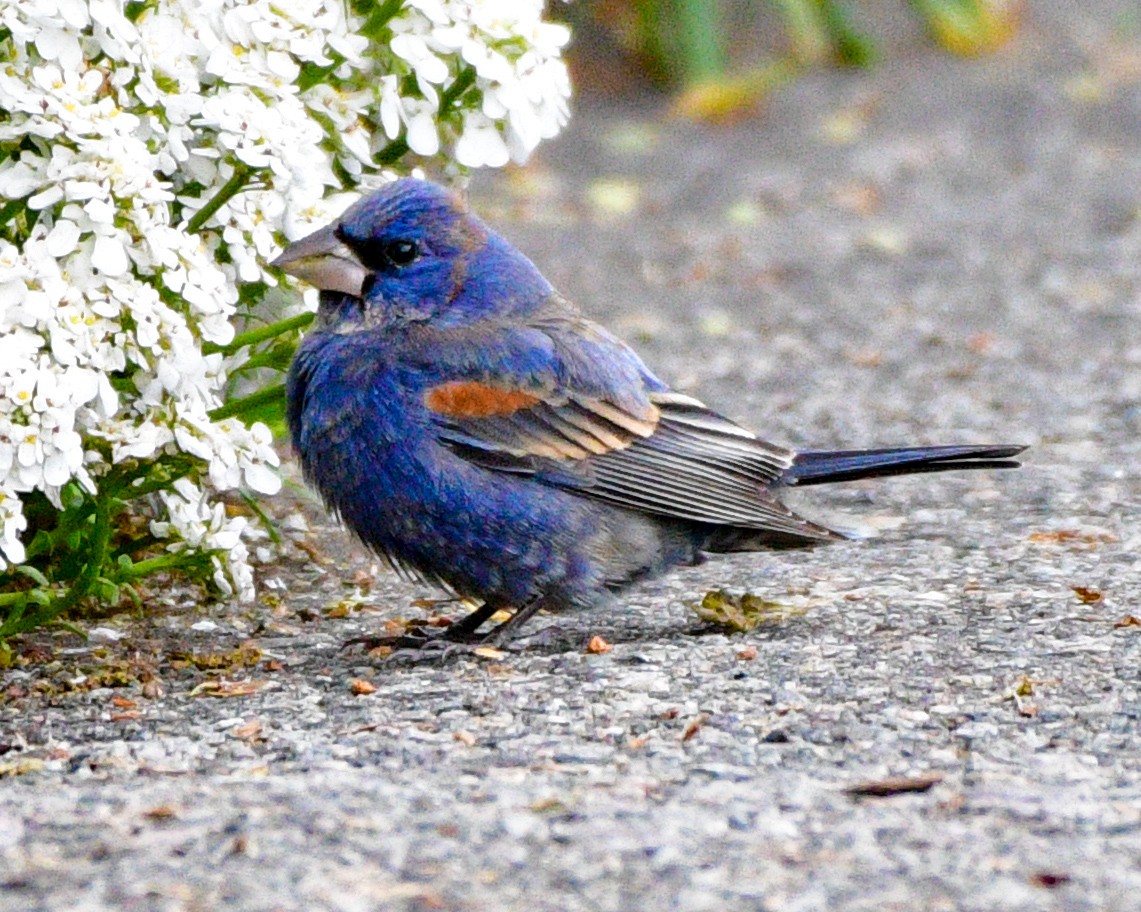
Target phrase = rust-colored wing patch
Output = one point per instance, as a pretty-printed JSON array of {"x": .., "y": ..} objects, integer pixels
[{"x": 472, "y": 399}]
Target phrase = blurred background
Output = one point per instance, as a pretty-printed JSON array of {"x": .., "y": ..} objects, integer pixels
[
  {"x": 719, "y": 59},
  {"x": 857, "y": 223}
]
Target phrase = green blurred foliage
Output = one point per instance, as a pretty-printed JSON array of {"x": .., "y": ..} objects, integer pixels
[{"x": 687, "y": 45}]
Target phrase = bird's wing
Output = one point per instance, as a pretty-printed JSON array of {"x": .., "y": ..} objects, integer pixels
[{"x": 594, "y": 420}]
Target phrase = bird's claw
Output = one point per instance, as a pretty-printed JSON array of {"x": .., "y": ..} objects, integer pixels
[
  {"x": 417, "y": 644},
  {"x": 433, "y": 649}
]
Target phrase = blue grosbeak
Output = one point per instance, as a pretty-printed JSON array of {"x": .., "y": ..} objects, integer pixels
[{"x": 474, "y": 428}]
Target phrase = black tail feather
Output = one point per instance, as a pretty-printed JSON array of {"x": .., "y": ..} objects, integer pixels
[{"x": 826, "y": 466}]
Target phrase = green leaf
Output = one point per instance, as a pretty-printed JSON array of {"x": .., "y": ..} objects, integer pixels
[
  {"x": 33, "y": 574},
  {"x": 39, "y": 596},
  {"x": 133, "y": 594},
  {"x": 851, "y": 47},
  {"x": 105, "y": 590},
  {"x": 314, "y": 74},
  {"x": 134, "y": 9},
  {"x": 71, "y": 496},
  {"x": 376, "y": 25},
  {"x": 242, "y": 407},
  {"x": 261, "y": 334}
]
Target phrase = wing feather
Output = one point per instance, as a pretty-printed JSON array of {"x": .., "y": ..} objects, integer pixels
[
  {"x": 563, "y": 401},
  {"x": 676, "y": 459}
]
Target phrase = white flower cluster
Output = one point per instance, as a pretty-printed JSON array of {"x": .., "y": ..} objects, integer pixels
[
  {"x": 521, "y": 82},
  {"x": 153, "y": 154}
]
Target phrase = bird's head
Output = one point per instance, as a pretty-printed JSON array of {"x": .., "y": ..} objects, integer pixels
[{"x": 411, "y": 252}]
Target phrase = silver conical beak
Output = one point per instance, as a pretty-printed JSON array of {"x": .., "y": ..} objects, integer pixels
[{"x": 321, "y": 259}]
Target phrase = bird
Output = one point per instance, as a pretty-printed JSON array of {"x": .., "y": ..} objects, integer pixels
[{"x": 477, "y": 431}]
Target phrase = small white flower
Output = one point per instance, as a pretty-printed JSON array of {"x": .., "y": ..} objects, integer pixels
[
  {"x": 18, "y": 177},
  {"x": 62, "y": 239},
  {"x": 480, "y": 144},
  {"x": 427, "y": 65},
  {"x": 390, "y": 109},
  {"x": 423, "y": 135},
  {"x": 12, "y": 524},
  {"x": 59, "y": 44},
  {"x": 110, "y": 255}
]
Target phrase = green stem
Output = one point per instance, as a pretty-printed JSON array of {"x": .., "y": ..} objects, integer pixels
[
  {"x": 464, "y": 81},
  {"x": 804, "y": 22},
  {"x": 851, "y": 47},
  {"x": 229, "y": 190},
  {"x": 272, "y": 357},
  {"x": 130, "y": 482},
  {"x": 254, "y": 336},
  {"x": 377, "y": 21},
  {"x": 266, "y": 520},
  {"x": 11, "y": 208},
  {"x": 14, "y": 617},
  {"x": 699, "y": 34},
  {"x": 159, "y": 564},
  {"x": 51, "y": 539},
  {"x": 162, "y": 481},
  {"x": 11, "y": 598},
  {"x": 100, "y": 542},
  {"x": 97, "y": 555},
  {"x": 254, "y": 400},
  {"x": 393, "y": 152},
  {"x": 398, "y": 148}
]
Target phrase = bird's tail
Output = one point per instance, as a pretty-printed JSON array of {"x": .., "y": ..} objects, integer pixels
[{"x": 825, "y": 466}]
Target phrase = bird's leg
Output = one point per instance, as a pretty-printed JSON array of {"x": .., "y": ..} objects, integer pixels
[
  {"x": 462, "y": 631},
  {"x": 462, "y": 636},
  {"x": 503, "y": 633}
]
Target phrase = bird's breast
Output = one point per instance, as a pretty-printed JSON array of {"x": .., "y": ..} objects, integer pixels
[{"x": 352, "y": 410}]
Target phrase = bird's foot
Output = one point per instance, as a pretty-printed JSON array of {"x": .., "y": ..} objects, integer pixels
[
  {"x": 417, "y": 636},
  {"x": 421, "y": 641},
  {"x": 429, "y": 649}
]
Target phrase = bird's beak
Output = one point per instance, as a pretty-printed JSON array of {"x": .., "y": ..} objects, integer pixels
[{"x": 321, "y": 259}]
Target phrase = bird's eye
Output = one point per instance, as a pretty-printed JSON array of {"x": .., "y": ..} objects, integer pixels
[{"x": 400, "y": 252}]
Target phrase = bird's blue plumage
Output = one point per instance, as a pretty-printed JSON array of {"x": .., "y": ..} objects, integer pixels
[{"x": 471, "y": 425}]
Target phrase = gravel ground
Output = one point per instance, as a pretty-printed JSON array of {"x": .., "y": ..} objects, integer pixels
[{"x": 936, "y": 251}]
